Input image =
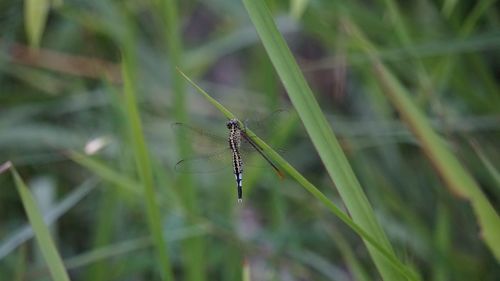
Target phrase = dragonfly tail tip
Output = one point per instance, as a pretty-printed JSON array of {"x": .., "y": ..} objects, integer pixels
[{"x": 240, "y": 200}]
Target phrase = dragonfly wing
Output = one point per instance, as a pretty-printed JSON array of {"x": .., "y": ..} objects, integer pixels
[
  {"x": 267, "y": 125},
  {"x": 200, "y": 137},
  {"x": 248, "y": 148},
  {"x": 205, "y": 141},
  {"x": 214, "y": 162}
]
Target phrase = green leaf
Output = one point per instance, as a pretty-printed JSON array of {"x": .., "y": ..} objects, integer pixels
[
  {"x": 447, "y": 165},
  {"x": 297, "y": 7},
  {"x": 13, "y": 240},
  {"x": 193, "y": 249},
  {"x": 42, "y": 233},
  {"x": 321, "y": 134},
  {"x": 105, "y": 172},
  {"x": 143, "y": 162},
  {"x": 35, "y": 18},
  {"x": 246, "y": 271},
  {"x": 454, "y": 175}
]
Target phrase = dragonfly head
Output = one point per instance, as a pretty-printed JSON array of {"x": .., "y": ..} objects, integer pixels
[{"x": 232, "y": 123}]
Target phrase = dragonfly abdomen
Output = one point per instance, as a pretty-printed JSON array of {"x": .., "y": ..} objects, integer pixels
[{"x": 234, "y": 144}]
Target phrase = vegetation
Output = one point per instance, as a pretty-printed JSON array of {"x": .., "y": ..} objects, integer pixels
[{"x": 389, "y": 134}]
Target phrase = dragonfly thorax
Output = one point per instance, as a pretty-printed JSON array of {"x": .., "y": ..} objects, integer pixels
[
  {"x": 233, "y": 124},
  {"x": 234, "y": 135}
]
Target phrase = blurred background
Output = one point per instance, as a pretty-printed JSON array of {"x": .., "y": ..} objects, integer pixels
[{"x": 61, "y": 98}]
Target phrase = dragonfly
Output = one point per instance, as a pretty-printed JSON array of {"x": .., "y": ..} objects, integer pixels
[{"x": 237, "y": 145}]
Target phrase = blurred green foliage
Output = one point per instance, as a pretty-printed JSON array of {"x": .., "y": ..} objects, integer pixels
[{"x": 68, "y": 95}]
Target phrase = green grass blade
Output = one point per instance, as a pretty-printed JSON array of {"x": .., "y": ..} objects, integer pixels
[
  {"x": 106, "y": 173},
  {"x": 352, "y": 263},
  {"x": 143, "y": 164},
  {"x": 495, "y": 174},
  {"x": 120, "y": 249},
  {"x": 35, "y": 17},
  {"x": 455, "y": 176},
  {"x": 448, "y": 7},
  {"x": 42, "y": 233},
  {"x": 107, "y": 211},
  {"x": 473, "y": 17},
  {"x": 14, "y": 240},
  {"x": 246, "y": 271},
  {"x": 297, "y": 8},
  {"x": 194, "y": 247},
  {"x": 443, "y": 243},
  {"x": 444, "y": 70},
  {"x": 404, "y": 36},
  {"x": 214, "y": 102},
  {"x": 320, "y": 133},
  {"x": 291, "y": 171}
]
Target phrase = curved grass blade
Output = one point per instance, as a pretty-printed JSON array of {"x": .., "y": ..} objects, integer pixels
[
  {"x": 385, "y": 254},
  {"x": 193, "y": 249},
  {"x": 42, "y": 233},
  {"x": 143, "y": 162},
  {"x": 246, "y": 271},
  {"x": 323, "y": 138},
  {"x": 35, "y": 19},
  {"x": 105, "y": 172},
  {"x": 455, "y": 176},
  {"x": 19, "y": 236}
]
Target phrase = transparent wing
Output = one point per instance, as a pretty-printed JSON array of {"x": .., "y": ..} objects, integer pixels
[
  {"x": 211, "y": 151},
  {"x": 203, "y": 140},
  {"x": 267, "y": 125},
  {"x": 214, "y": 162},
  {"x": 265, "y": 128}
]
